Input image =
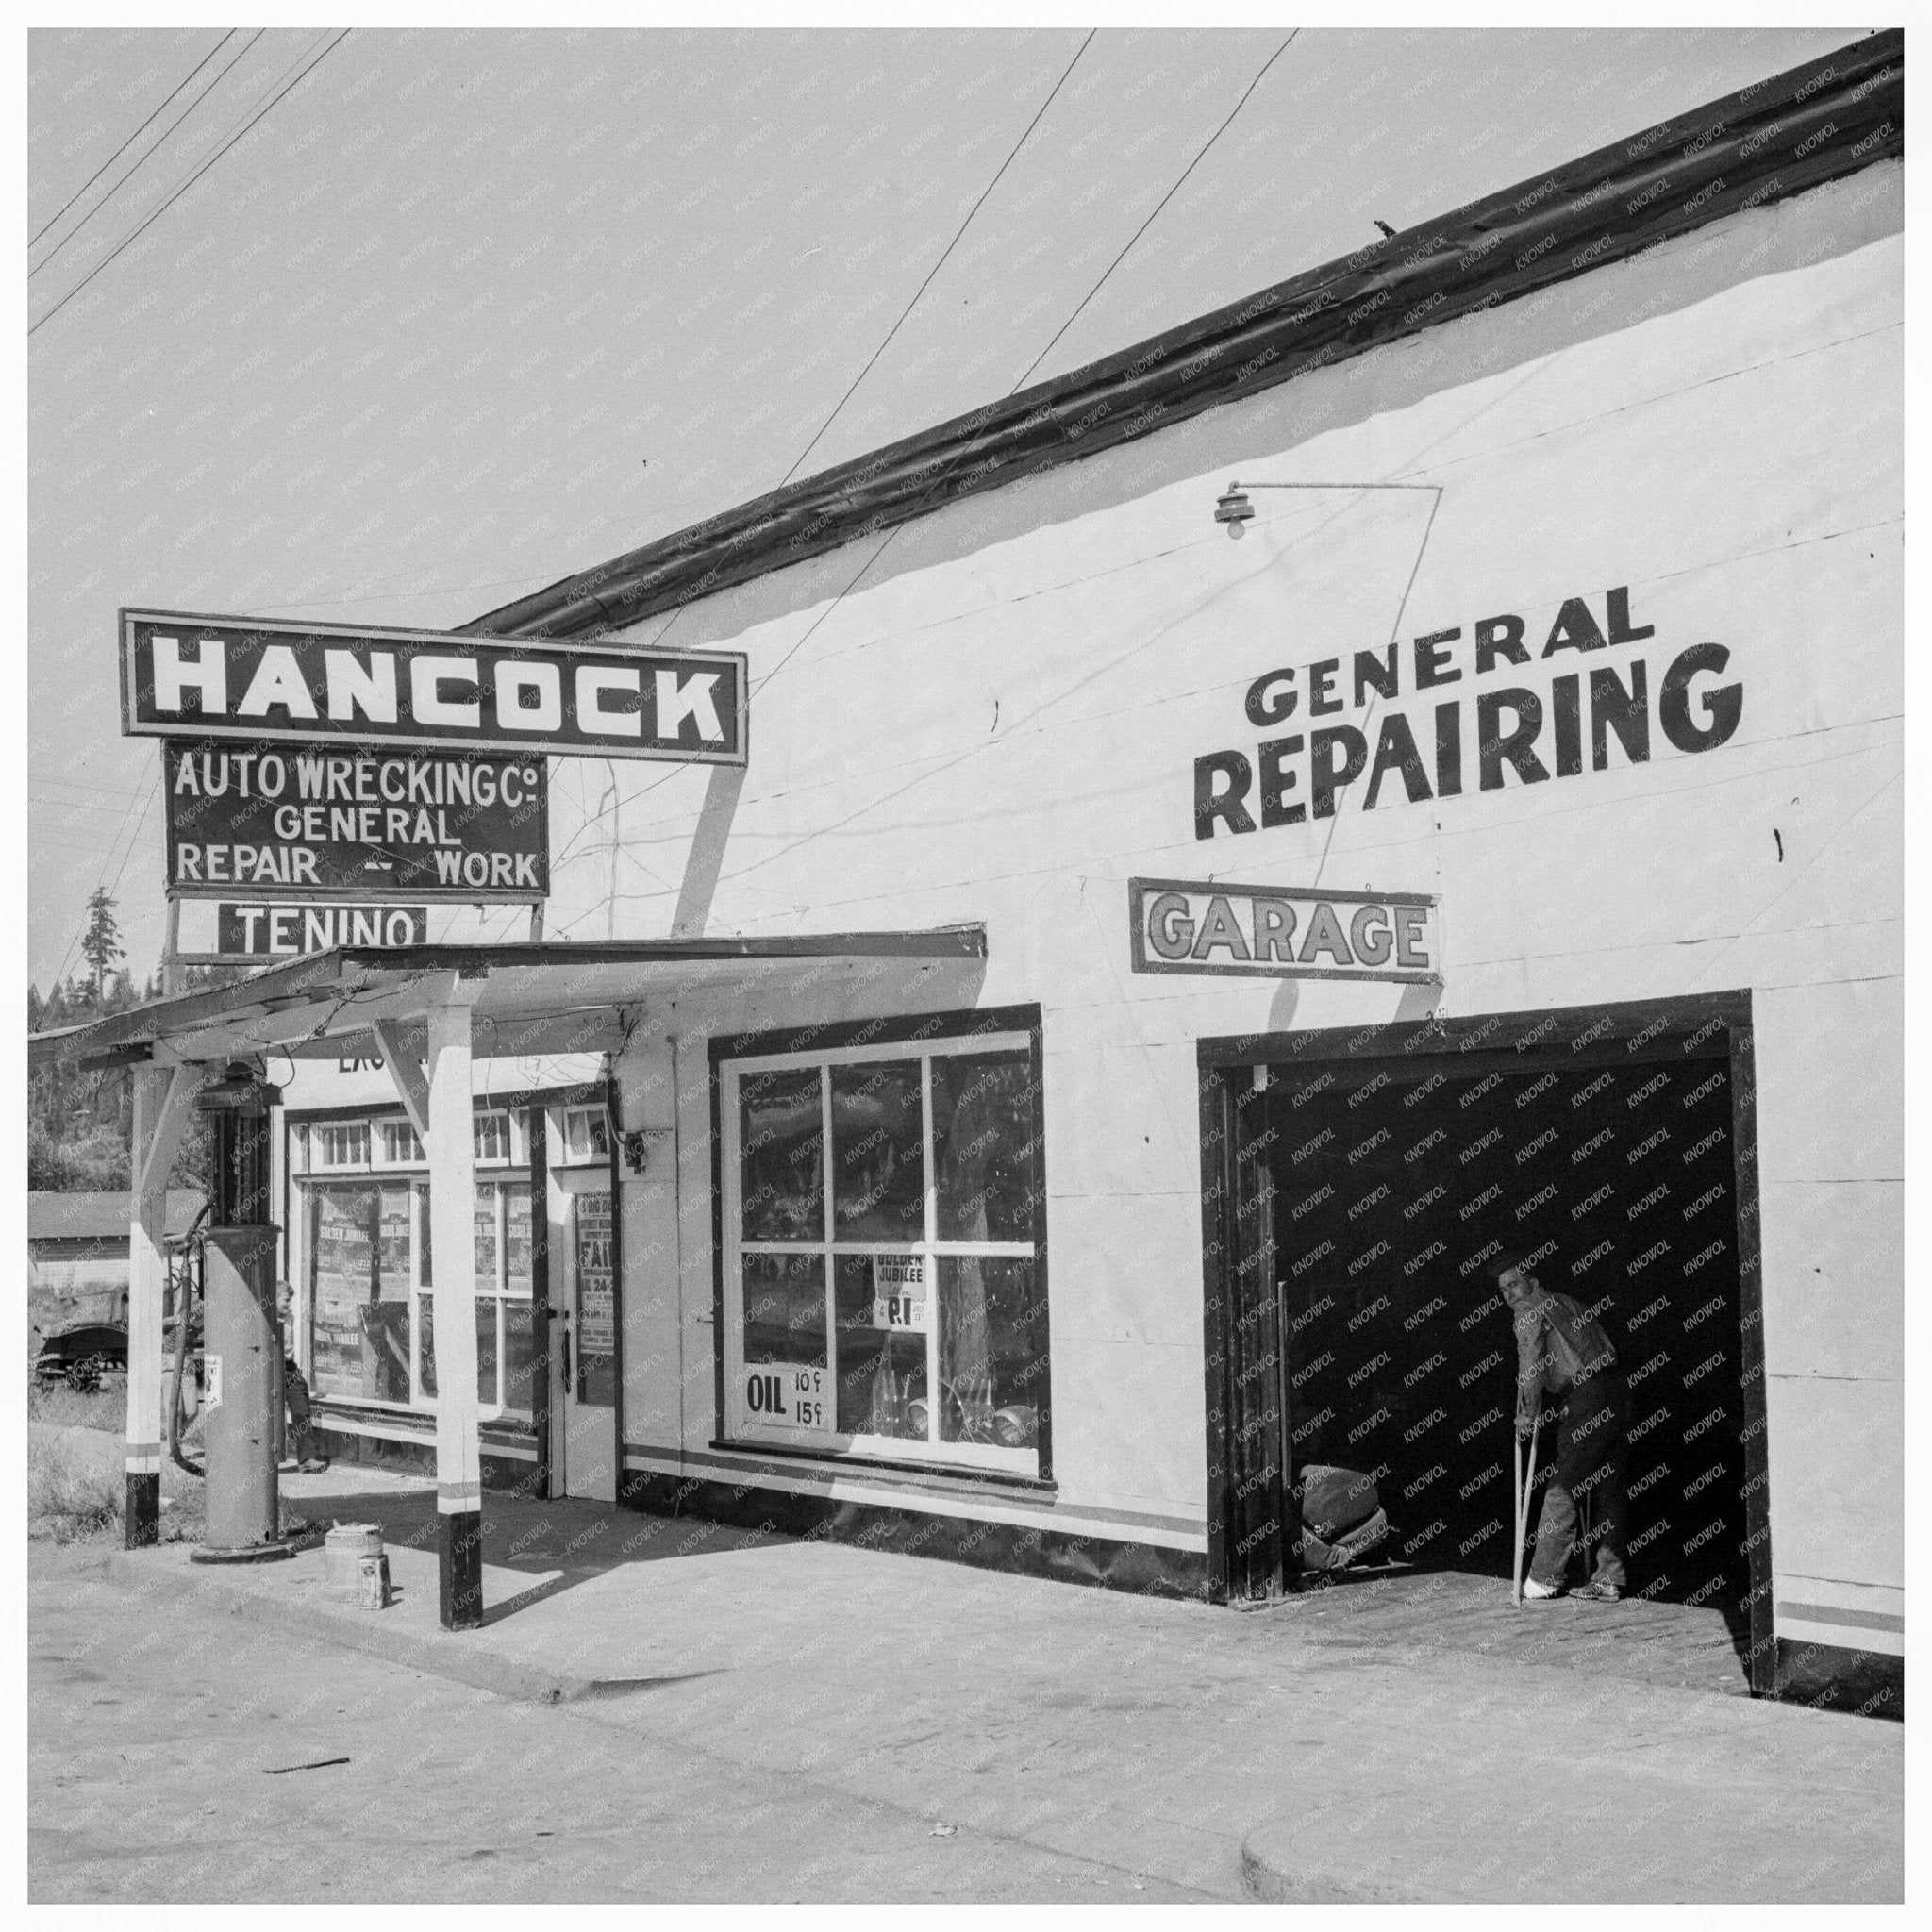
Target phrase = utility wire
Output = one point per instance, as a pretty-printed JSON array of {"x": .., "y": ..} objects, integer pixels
[
  {"x": 252, "y": 121},
  {"x": 942, "y": 261},
  {"x": 880, "y": 351},
  {"x": 133, "y": 137},
  {"x": 853, "y": 582},
  {"x": 66, "y": 957},
  {"x": 150, "y": 154},
  {"x": 1162, "y": 202}
]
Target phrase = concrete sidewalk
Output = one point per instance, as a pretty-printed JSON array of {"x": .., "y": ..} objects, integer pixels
[{"x": 1299, "y": 1755}]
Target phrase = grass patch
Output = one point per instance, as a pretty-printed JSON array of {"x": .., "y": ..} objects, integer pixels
[
  {"x": 105, "y": 1408},
  {"x": 75, "y": 1498}
]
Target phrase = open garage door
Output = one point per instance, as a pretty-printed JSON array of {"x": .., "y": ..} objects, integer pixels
[{"x": 1366, "y": 1185}]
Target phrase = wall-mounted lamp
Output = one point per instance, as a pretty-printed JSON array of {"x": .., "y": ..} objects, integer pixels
[
  {"x": 636, "y": 1154},
  {"x": 1234, "y": 510}
]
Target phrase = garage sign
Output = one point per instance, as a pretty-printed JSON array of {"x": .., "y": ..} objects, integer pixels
[{"x": 1284, "y": 932}]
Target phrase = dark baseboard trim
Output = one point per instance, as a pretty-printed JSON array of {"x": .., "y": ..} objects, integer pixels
[
  {"x": 1023, "y": 1549},
  {"x": 1829, "y": 1677}
]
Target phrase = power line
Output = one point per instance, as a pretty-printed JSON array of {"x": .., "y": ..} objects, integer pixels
[
  {"x": 1163, "y": 202},
  {"x": 254, "y": 121},
  {"x": 880, "y": 351},
  {"x": 134, "y": 136},
  {"x": 942, "y": 261},
  {"x": 146, "y": 157},
  {"x": 67, "y": 956}
]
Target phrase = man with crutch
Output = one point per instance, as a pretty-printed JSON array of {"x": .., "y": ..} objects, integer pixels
[{"x": 1564, "y": 1357}]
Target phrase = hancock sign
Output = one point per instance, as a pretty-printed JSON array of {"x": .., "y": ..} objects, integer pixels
[{"x": 233, "y": 678}]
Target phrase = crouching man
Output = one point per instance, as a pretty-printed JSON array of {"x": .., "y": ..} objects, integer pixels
[{"x": 1564, "y": 1357}]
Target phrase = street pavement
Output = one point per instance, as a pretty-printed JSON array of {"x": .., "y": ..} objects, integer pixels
[{"x": 1153, "y": 1748}]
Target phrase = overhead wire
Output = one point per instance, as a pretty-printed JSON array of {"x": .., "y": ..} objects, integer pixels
[
  {"x": 140, "y": 818},
  {"x": 999, "y": 173},
  {"x": 253, "y": 121},
  {"x": 1157, "y": 207},
  {"x": 152, "y": 152},
  {"x": 132, "y": 139},
  {"x": 942, "y": 261}
]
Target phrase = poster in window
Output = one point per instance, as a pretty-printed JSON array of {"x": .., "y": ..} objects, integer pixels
[
  {"x": 596, "y": 1300},
  {"x": 898, "y": 1291}
]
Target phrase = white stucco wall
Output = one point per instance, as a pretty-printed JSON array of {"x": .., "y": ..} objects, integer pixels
[{"x": 1007, "y": 733}]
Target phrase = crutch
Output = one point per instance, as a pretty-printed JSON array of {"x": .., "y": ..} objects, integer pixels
[{"x": 1525, "y": 1479}]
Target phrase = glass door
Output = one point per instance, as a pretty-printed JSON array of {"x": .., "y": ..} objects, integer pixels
[{"x": 584, "y": 1356}]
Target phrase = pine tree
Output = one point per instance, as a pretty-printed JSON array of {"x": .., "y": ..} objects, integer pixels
[{"x": 101, "y": 946}]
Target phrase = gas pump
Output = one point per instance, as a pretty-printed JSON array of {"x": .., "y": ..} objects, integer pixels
[{"x": 241, "y": 1353}]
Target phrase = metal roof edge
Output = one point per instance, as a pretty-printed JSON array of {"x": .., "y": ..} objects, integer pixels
[
  {"x": 1830, "y": 117},
  {"x": 124, "y": 1038}
]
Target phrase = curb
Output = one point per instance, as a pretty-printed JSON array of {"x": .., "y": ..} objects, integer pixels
[
  {"x": 1267, "y": 1877},
  {"x": 444, "y": 1655}
]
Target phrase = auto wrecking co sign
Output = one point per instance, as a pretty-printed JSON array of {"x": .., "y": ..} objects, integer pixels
[{"x": 1284, "y": 932}]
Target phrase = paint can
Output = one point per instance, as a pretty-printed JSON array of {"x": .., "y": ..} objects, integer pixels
[
  {"x": 373, "y": 1582},
  {"x": 343, "y": 1553}
]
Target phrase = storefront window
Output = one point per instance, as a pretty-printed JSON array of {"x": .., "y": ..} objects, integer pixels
[
  {"x": 370, "y": 1280},
  {"x": 885, "y": 1283}
]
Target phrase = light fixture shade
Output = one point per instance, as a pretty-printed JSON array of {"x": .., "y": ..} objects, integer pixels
[{"x": 1234, "y": 510}]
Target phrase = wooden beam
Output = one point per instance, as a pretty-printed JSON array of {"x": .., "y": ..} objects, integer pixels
[
  {"x": 155, "y": 1161},
  {"x": 406, "y": 1072}
]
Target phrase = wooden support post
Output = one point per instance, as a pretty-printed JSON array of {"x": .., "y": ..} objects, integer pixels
[
  {"x": 173, "y": 978},
  {"x": 161, "y": 1096},
  {"x": 453, "y": 1244}
]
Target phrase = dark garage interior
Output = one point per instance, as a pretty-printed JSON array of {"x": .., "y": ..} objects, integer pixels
[{"x": 1393, "y": 1187}]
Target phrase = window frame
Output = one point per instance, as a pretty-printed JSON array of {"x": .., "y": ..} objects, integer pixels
[{"x": 922, "y": 1039}]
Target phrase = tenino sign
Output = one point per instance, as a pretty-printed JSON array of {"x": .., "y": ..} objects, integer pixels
[
  {"x": 1293, "y": 932},
  {"x": 213, "y": 677}
]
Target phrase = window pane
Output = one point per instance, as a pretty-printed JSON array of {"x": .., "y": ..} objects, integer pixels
[
  {"x": 425, "y": 1342},
  {"x": 519, "y": 1353},
  {"x": 358, "y": 1282},
  {"x": 486, "y": 1350},
  {"x": 422, "y": 1275},
  {"x": 878, "y": 1162},
  {"x": 882, "y": 1311},
  {"x": 491, "y": 1133},
  {"x": 342, "y": 1266},
  {"x": 399, "y": 1141},
  {"x": 784, "y": 1309},
  {"x": 781, "y": 1162},
  {"x": 594, "y": 1347},
  {"x": 516, "y": 1238},
  {"x": 485, "y": 1212},
  {"x": 343, "y": 1146},
  {"x": 993, "y": 1350},
  {"x": 983, "y": 1145}
]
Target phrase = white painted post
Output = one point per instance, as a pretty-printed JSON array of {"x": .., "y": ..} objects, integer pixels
[
  {"x": 160, "y": 1115},
  {"x": 453, "y": 1265}
]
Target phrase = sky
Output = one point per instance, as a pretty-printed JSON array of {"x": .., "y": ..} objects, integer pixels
[{"x": 459, "y": 313}]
